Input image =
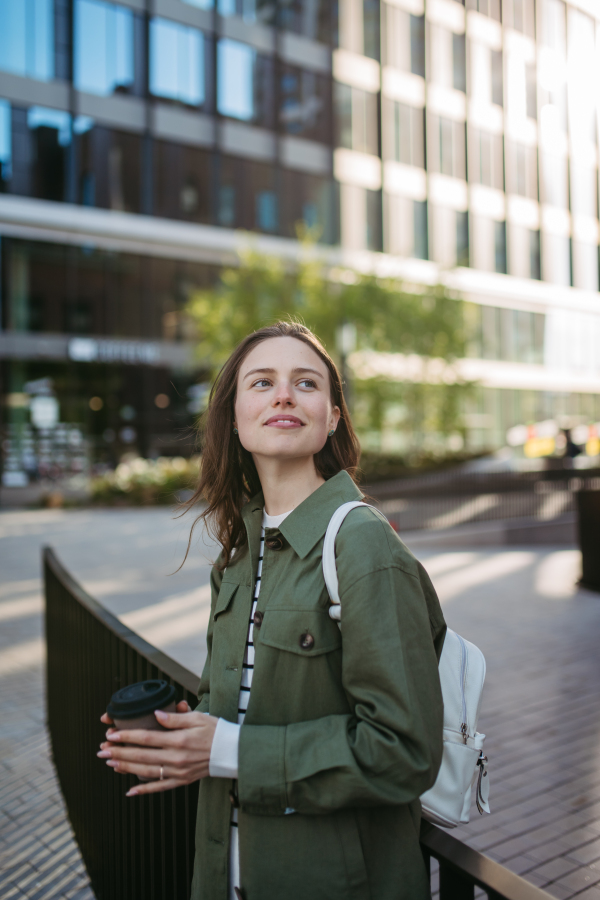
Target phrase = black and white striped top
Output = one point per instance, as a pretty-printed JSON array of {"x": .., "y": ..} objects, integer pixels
[{"x": 246, "y": 684}]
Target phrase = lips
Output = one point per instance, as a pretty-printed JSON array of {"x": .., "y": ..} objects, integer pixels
[{"x": 284, "y": 422}]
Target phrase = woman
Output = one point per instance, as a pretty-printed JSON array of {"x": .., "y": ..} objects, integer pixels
[{"x": 313, "y": 743}]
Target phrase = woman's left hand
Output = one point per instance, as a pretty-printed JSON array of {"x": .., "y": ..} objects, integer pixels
[{"x": 181, "y": 754}]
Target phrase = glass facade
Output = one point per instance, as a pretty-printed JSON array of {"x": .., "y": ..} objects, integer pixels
[{"x": 267, "y": 115}]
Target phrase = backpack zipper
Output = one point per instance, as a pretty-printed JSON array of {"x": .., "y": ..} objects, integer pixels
[{"x": 464, "y": 728}]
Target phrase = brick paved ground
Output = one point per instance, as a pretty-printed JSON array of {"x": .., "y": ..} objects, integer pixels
[{"x": 541, "y": 705}]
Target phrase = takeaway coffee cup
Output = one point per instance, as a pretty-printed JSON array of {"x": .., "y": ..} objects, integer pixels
[{"x": 133, "y": 706}]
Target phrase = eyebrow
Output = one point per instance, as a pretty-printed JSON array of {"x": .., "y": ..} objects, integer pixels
[{"x": 269, "y": 371}]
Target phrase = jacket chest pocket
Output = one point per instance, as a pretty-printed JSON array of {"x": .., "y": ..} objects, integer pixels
[
  {"x": 224, "y": 600},
  {"x": 306, "y": 632}
]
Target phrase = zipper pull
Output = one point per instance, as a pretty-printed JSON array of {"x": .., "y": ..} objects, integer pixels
[{"x": 464, "y": 731}]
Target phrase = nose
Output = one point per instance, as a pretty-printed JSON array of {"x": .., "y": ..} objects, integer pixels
[{"x": 284, "y": 395}]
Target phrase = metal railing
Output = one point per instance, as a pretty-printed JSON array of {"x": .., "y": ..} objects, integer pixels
[
  {"x": 143, "y": 848},
  {"x": 447, "y": 499}
]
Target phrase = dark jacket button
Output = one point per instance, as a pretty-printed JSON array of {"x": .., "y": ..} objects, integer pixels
[
  {"x": 258, "y": 618},
  {"x": 274, "y": 543},
  {"x": 307, "y": 641}
]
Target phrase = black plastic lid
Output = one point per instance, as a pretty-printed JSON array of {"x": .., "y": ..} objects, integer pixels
[{"x": 139, "y": 699}]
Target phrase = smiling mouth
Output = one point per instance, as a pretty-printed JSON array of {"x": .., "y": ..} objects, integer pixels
[{"x": 284, "y": 422}]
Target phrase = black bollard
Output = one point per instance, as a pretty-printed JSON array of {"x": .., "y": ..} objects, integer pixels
[{"x": 588, "y": 515}]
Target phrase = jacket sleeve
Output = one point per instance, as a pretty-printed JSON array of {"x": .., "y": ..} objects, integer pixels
[
  {"x": 216, "y": 577},
  {"x": 388, "y": 749}
]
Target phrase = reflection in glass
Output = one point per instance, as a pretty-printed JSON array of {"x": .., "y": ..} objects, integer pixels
[
  {"x": 309, "y": 201},
  {"x": 356, "y": 119},
  {"x": 201, "y": 4},
  {"x": 182, "y": 182},
  {"x": 50, "y": 137},
  {"x": 109, "y": 167},
  {"x": 235, "y": 79},
  {"x": 310, "y": 18},
  {"x": 104, "y": 40},
  {"x": 176, "y": 62},
  {"x": 303, "y": 108},
  {"x": 27, "y": 38},
  {"x": 247, "y": 195},
  {"x": 5, "y": 145},
  {"x": 259, "y": 11}
]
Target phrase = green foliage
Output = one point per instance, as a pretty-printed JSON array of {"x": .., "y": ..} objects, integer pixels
[
  {"x": 388, "y": 317},
  {"x": 146, "y": 482}
]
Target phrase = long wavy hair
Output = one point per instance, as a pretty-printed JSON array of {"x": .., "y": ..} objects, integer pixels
[{"x": 228, "y": 476}]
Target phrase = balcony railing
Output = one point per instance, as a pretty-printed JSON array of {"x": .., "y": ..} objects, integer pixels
[{"x": 143, "y": 848}]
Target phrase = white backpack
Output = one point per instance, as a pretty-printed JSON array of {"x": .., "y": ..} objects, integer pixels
[{"x": 462, "y": 673}]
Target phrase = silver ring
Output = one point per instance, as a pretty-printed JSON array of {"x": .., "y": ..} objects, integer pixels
[{"x": 161, "y": 774}]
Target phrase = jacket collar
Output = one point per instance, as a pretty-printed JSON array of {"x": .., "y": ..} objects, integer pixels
[{"x": 308, "y": 522}]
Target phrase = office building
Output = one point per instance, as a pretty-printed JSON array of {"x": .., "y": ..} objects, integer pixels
[{"x": 423, "y": 139}]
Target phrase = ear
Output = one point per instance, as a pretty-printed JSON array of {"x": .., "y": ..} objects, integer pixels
[{"x": 335, "y": 417}]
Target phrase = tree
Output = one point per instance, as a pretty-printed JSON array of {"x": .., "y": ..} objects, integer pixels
[{"x": 389, "y": 317}]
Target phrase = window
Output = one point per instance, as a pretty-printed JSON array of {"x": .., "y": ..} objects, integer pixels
[
  {"x": 304, "y": 107},
  {"x": 182, "y": 182},
  {"x": 309, "y": 201},
  {"x": 500, "y": 246},
  {"x": 404, "y": 40},
  {"x": 554, "y": 181},
  {"x": 535, "y": 269},
  {"x": 520, "y": 15},
  {"x": 371, "y": 29},
  {"x": 584, "y": 179},
  {"x": 356, "y": 119},
  {"x": 489, "y": 8},
  {"x": 417, "y": 45},
  {"x": 109, "y": 166},
  {"x": 5, "y": 145},
  {"x": 201, "y": 4},
  {"x": 486, "y": 159},
  {"x": 497, "y": 78},
  {"x": 462, "y": 239},
  {"x": 40, "y": 146},
  {"x": 261, "y": 11},
  {"x": 176, "y": 62},
  {"x": 373, "y": 220},
  {"x": 244, "y": 83},
  {"x": 522, "y": 170},
  {"x": 421, "y": 242},
  {"x": 27, "y": 38},
  {"x": 247, "y": 195},
  {"x": 447, "y": 147},
  {"x": 459, "y": 63},
  {"x": 531, "y": 90},
  {"x": 308, "y": 17},
  {"x": 407, "y": 132},
  {"x": 104, "y": 49},
  {"x": 552, "y": 24}
]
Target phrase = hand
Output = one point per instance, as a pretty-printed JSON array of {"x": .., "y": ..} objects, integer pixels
[{"x": 183, "y": 752}]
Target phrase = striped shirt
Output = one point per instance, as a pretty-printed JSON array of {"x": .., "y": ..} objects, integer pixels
[{"x": 244, "y": 697}]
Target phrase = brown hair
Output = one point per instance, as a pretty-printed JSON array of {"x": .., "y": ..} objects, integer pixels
[{"x": 228, "y": 476}]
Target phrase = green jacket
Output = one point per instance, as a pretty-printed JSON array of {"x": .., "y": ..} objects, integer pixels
[{"x": 348, "y": 732}]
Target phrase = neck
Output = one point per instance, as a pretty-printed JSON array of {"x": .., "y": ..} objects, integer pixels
[{"x": 286, "y": 483}]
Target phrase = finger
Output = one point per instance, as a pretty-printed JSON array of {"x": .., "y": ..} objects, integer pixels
[
  {"x": 147, "y": 772},
  {"x": 154, "y": 787},
  {"x": 142, "y": 738},
  {"x": 106, "y": 719},
  {"x": 181, "y": 720},
  {"x": 183, "y": 707},
  {"x": 156, "y": 757}
]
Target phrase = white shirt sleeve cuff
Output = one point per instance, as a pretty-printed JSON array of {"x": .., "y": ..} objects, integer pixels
[{"x": 223, "y": 762}]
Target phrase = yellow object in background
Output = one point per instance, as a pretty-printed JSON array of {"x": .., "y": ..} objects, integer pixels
[
  {"x": 592, "y": 448},
  {"x": 542, "y": 446}
]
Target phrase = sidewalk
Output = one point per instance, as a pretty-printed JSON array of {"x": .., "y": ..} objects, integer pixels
[{"x": 541, "y": 708}]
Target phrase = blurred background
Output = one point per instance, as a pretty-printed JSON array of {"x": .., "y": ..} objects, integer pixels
[{"x": 418, "y": 181}]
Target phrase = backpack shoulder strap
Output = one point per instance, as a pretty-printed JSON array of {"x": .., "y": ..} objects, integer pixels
[{"x": 329, "y": 567}]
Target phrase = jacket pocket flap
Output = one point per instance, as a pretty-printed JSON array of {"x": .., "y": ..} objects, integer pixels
[
  {"x": 226, "y": 593},
  {"x": 307, "y": 632}
]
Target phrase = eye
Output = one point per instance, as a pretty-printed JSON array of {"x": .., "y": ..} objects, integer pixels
[
  {"x": 261, "y": 382},
  {"x": 307, "y": 382}
]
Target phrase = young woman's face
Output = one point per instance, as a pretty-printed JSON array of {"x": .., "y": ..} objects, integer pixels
[{"x": 283, "y": 404}]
